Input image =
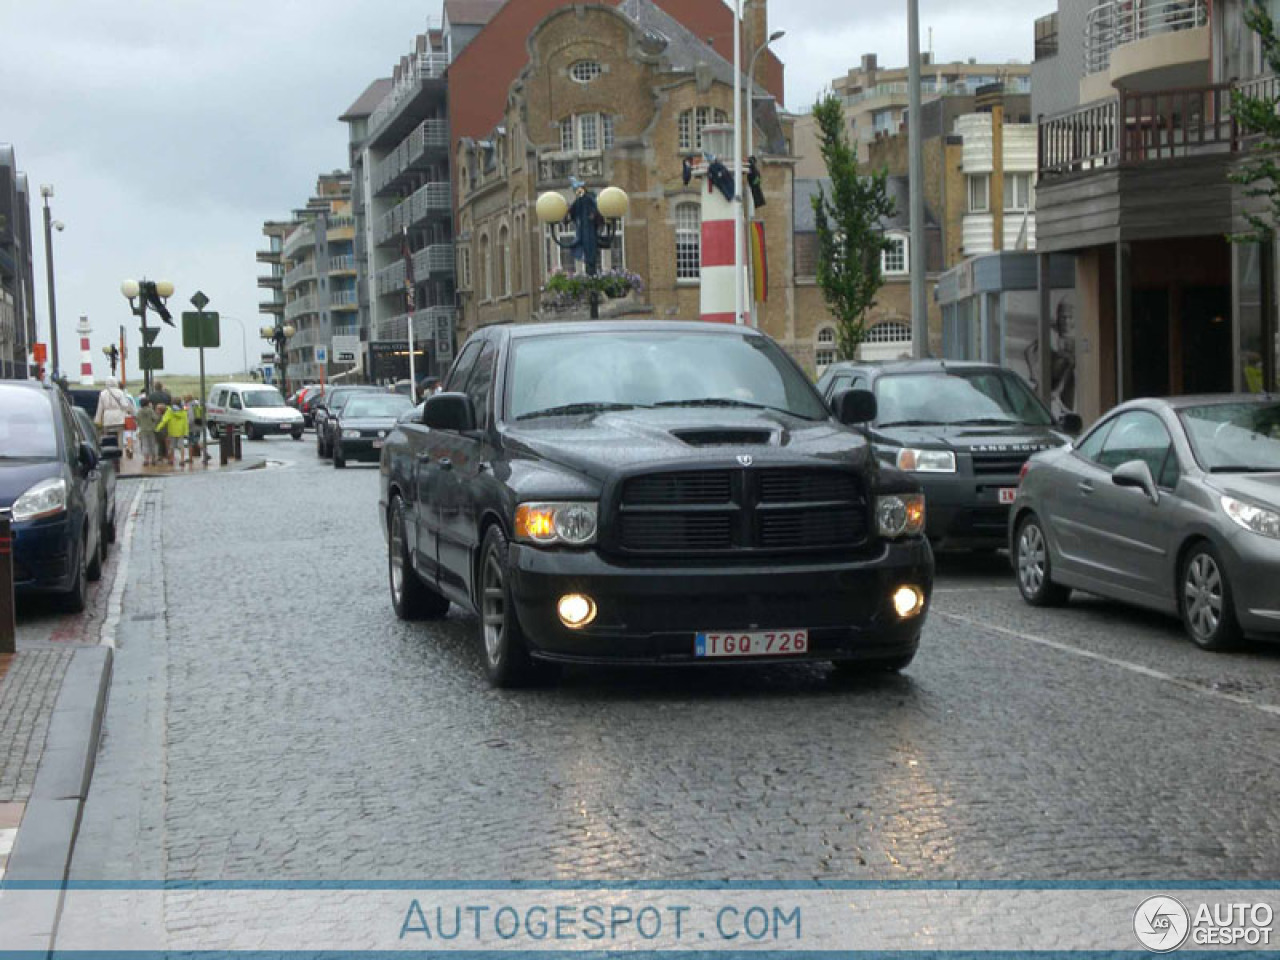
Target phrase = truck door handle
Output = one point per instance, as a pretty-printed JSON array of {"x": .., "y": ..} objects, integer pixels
[
  {"x": 424, "y": 458},
  {"x": 446, "y": 463},
  {"x": 1086, "y": 487}
]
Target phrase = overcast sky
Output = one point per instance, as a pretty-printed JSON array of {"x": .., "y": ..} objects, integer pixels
[{"x": 171, "y": 129}]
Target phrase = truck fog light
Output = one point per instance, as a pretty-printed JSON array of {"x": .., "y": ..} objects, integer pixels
[
  {"x": 576, "y": 611},
  {"x": 908, "y": 602}
]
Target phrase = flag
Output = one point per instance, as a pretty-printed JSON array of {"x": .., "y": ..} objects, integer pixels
[
  {"x": 410, "y": 286},
  {"x": 759, "y": 262}
]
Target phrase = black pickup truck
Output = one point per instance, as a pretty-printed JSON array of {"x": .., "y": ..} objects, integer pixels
[{"x": 658, "y": 493}]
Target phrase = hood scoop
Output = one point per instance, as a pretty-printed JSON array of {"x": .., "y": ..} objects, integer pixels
[{"x": 724, "y": 437}]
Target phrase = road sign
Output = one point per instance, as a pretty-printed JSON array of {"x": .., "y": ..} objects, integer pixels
[
  {"x": 346, "y": 349},
  {"x": 150, "y": 334},
  {"x": 268, "y": 358},
  {"x": 322, "y": 354},
  {"x": 199, "y": 300},
  {"x": 151, "y": 358},
  {"x": 40, "y": 352},
  {"x": 200, "y": 330}
]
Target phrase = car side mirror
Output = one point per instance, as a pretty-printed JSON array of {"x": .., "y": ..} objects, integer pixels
[
  {"x": 1072, "y": 424},
  {"x": 854, "y": 407},
  {"x": 1136, "y": 474},
  {"x": 111, "y": 453},
  {"x": 449, "y": 411},
  {"x": 88, "y": 456}
]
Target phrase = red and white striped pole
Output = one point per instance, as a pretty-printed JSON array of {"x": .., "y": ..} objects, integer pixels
[
  {"x": 721, "y": 272},
  {"x": 86, "y": 355}
]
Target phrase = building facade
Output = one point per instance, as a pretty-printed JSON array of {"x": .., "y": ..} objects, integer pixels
[
  {"x": 1134, "y": 182},
  {"x": 271, "y": 279},
  {"x": 17, "y": 286}
]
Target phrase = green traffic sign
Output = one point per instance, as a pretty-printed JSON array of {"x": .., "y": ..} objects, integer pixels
[
  {"x": 200, "y": 330},
  {"x": 200, "y": 301},
  {"x": 151, "y": 358}
]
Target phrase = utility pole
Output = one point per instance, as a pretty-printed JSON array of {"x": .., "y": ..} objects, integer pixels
[
  {"x": 919, "y": 261},
  {"x": 739, "y": 265},
  {"x": 46, "y": 191}
]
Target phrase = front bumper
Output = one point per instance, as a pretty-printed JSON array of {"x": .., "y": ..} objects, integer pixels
[
  {"x": 652, "y": 614},
  {"x": 1253, "y": 570},
  {"x": 43, "y": 555},
  {"x": 964, "y": 512},
  {"x": 362, "y": 449}
]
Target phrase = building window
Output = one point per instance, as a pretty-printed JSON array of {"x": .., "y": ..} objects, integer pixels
[
  {"x": 464, "y": 266},
  {"x": 504, "y": 261},
  {"x": 518, "y": 258},
  {"x": 889, "y": 332},
  {"x": 606, "y": 121},
  {"x": 589, "y": 131},
  {"x": 584, "y": 71},
  {"x": 1017, "y": 192},
  {"x": 615, "y": 258},
  {"x": 688, "y": 241},
  {"x": 566, "y": 134},
  {"x": 826, "y": 352},
  {"x": 979, "y": 193},
  {"x": 894, "y": 260},
  {"x": 556, "y": 257},
  {"x": 586, "y": 132},
  {"x": 692, "y": 122},
  {"x": 486, "y": 267}
]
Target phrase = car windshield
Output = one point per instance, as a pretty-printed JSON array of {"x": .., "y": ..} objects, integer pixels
[
  {"x": 1241, "y": 437},
  {"x": 956, "y": 397},
  {"x": 575, "y": 374},
  {"x": 389, "y": 406},
  {"x": 263, "y": 398},
  {"x": 26, "y": 425}
]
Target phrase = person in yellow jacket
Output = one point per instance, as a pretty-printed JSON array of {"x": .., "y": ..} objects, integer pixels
[{"x": 174, "y": 423}]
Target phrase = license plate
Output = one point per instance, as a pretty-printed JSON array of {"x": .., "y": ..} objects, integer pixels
[
  {"x": 1008, "y": 494},
  {"x": 776, "y": 643},
  {"x": 286, "y": 426},
  {"x": 377, "y": 444}
]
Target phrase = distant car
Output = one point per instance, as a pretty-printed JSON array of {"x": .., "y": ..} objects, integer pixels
[
  {"x": 1172, "y": 505},
  {"x": 361, "y": 426},
  {"x": 257, "y": 409},
  {"x": 307, "y": 398},
  {"x": 330, "y": 403},
  {"x": 53, "y": 485},
  {"x": 964, "y": 430}
]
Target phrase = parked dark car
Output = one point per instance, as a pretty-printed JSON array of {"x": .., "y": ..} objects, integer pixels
[
  {"x": 53, "y": 485},
  {"x": 86, "y": 399},
  {"x": 109, "y": 467},
  {"x": 1173, "y": 505},
  {"x": 661, "y": 492},
  {"x": 964, "y": 430},
  {"x": 329, "y": 403},
  {"x": 307, "y": 398},
  {"x": 360, "y": 428}
]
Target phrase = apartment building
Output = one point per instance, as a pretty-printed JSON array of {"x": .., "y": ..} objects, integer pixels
[
  {"x": 876, "y": 100},
  {"x": 17, "y": 286},
  {"x": 1134, "y": 182}
]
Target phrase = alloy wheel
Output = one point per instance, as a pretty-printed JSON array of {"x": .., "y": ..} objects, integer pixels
[
  {"x": 396, "y": 548},
  {"x": 1202, "y": 590},
  {"x": 494, "y": 604},
  {"x": 1031, "y": 559}
]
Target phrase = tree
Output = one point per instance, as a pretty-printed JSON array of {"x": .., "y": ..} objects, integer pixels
[
  {"x": 1258, "y": 115},
  {"x": 850, "y": 236}
]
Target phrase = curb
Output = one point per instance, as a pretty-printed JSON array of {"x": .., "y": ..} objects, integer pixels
[
  {"x": 42, "y": 852},
  {"x": 244, "y": 466}
]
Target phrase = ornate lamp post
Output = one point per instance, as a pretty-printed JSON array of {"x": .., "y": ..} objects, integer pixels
[
  {"x": 593, "y": 222},
  {"x": 279, "y": 335},
  {"x": 142, "y": 294}
]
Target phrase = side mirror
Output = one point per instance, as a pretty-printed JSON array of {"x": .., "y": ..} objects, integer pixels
[
  {"x": 88, "y": 457},
  {"x": 854, "y": 407},
  {"x": 111, "y": 453},
  {"x": 1136, "y": 474},
  {"x": 449, "y": 411},
  {"x": 1072, "y": 424}
]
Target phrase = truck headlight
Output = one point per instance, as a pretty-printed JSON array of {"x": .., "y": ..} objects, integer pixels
[
  {"x": 927, "y": 461},
  {"x": 900, "y": 515},
  {"x": 350, "y": 434},
  {"x": 46, "y": 499},
  {"x": 1260, "y": 520},
  {"x": 557, "y": 524}
]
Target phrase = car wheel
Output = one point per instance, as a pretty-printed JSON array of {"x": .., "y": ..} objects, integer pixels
[
  {"x": 251, "y": 432},
  {"x": 109, "y": 526},
  {"x": 410, "y": 597},
  {"x": 1204, "y": 595},
  {"x": 339, "y": 461},
  {"x": 213, "y": 431},
  {"x": 297, "y": 434},
  {"x": 76, "y": 598},
  {"x": 1031, "y": 562},
  {"x": 93, "y": 571},
  {"x": 506, "y": 655}
]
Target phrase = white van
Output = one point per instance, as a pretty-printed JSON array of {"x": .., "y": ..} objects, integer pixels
[{"x": 256, "y": 408}]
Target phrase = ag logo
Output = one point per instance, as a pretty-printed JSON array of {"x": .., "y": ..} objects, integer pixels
[
  {"x": 1162, "y": 924},
  {"x": 746, "y": 461}
]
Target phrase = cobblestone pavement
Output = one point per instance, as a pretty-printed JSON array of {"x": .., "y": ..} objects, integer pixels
[{"x": 270, "y": 719}]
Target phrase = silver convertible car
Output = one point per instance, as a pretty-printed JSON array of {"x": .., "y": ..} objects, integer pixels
[{"x": 1172, "y": 505}]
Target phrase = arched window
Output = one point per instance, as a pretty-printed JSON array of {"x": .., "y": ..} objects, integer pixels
[
  {"x": 826, "y": 352},
  {"x": 584, "y": 71},
  {"x": 688, "y": 241},
  {"x": 486, "y": 268},
  {"x": 504, "y": 261},
  {"x": 691, "y": 124},
  {"x": 517, "y": 258}
]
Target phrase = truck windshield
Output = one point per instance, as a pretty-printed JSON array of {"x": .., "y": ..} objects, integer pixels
[
  {"x": 26, "y": 425},
  {"x": 951, "y": 398},
  {"x": 582, "y": 374},
  {"x": 263, "y": 398}
]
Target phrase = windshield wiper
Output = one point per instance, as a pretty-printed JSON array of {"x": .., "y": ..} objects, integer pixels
[
  {"x": 729, "y": 402},
  {"x": 577, "y": 409},
  {"x": 1232, "y": 468},
  {"x": 910, "y": 423},
  {"x": 987, "y": 422}
]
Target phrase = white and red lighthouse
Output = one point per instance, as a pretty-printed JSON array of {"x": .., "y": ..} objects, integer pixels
[
  {"x": 86, "y": 355},
  {"x": 720, "y": 273}
]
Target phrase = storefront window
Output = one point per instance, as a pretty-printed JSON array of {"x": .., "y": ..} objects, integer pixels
[{"x": 1249, "y": 284}]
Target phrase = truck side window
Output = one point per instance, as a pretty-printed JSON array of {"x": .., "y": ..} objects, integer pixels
[
  {"x": 479, "y": 385},
  {"x": 462, "y": 368},
  {"x": 235, "y": 402}
]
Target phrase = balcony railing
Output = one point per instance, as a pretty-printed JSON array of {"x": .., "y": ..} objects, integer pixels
[
  {"x": 303, "y": 271},
  {"x": 390, "y": 279},
  {"x": 342, "y": 298},
  {"x": 300, "y": 307},
  {"x": 430, "y": 323},
  {"x": 1117, "y": 22},
  {"x": 301, "y": 237},
  {"x": 1135, "y": 127},
  {"x": 434, "y": 199},
  {"x": 430, "y": 136},
  {"x": 425, "y": 66},
  {"x": 437, "y": 258},
  {"x": 345, "y": 264},
  {"x": 339, "y": 223}
]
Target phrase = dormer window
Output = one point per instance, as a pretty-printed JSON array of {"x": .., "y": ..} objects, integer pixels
[{"x": 584, "y": 71}]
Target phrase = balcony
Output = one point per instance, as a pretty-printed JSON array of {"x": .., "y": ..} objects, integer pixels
[
  {"x": 432, "y": 200},
  {"x": 273, "y": 282},
  {"x": 301, "y": 238},
  {"x": 430, "y": 323},
  {"x": 340, "y": 228},
  {"x": 1148, "y": 45},
  {"x": 269, "y": 256},
  {"x": 390, "y": 279},
  {"x": 343, "y": 299},
  {"x": 271, "y": 306},
  {"x": 422, "y": 77},
  {"x": 300, "y": 307},
  {"x": 427, "y": 144},
  {"x": 433, "y": 260},
  {"x": 303, "y": 271},
  {"x": 343, "y": 264}
]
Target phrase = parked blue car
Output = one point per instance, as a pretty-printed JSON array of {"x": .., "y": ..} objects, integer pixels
[{"x": 54, "y": 484}]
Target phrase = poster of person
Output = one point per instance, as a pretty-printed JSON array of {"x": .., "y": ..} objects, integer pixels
[{"x": 1022, "y": 343}]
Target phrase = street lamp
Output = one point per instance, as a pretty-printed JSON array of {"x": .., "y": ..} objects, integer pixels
[
  {"x": 142, "y": 294},
  {"x": 46, "y": 191},
  {"x": 751, "y": 89},
  {"x": 594, "y": 223},
  {"x": 280, "y": 335},
  {"x": 244, "y": 350}
]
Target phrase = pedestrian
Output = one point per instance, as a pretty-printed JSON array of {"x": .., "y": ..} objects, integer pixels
[
  {"x": 173, "y": 424},
  {"x": 148, "y": 420},
  {"x": 195, "y": 426},
  {"x": 113, "y": 410}
]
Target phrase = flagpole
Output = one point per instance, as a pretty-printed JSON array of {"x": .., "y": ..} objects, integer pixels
[
  {"x": 410, "y": 284},
  {"x": 738, "y": 264}
]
